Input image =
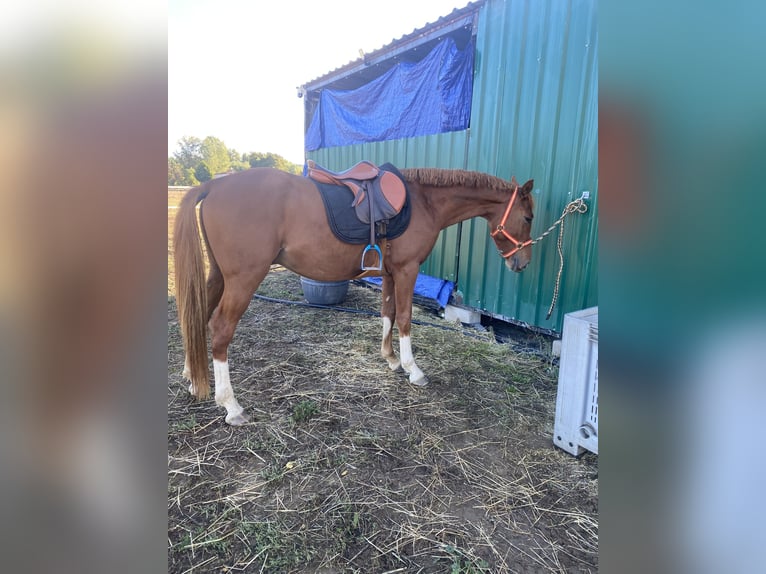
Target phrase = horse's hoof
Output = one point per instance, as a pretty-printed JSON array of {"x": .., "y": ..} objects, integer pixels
[
  {"x": 238, "y": 419},
  {"x": 421, "y": 382},
  {"x": 395, "y": 366}
]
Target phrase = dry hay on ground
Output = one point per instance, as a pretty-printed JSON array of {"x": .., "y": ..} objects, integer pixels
[{"x": 348, "y": 468}]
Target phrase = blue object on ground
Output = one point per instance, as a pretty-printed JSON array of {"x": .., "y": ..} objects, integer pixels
[{"x": 426, "y": 286}]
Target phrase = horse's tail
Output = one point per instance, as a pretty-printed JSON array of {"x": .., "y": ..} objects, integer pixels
[{"x": 191, "y": 293}]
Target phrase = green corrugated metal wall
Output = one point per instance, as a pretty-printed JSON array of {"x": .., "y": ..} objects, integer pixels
[{"x": 534, "y": 115}]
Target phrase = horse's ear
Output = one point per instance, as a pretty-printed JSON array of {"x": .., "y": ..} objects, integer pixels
[
  {"x": 527, "y": 187},
  {"x": 514, "y": 182}
]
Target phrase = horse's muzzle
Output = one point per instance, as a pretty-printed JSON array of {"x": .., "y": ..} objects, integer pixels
[{"x": 516, "y": 263}]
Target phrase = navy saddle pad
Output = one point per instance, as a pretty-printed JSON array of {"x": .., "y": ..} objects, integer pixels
[{"x": 342, "y": 218}]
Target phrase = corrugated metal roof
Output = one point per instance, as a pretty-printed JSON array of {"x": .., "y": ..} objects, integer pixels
[{"x": 409, "y": 47}]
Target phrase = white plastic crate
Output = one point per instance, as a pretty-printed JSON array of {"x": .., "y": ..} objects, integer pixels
[{"x": 576, "y": 425}]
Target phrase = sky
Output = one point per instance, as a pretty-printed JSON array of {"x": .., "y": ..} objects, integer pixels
[{"x": 234, "y": 65}]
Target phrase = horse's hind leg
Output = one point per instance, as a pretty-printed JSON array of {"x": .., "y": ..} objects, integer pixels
[
  {"x": 214, "y": 292},
  {"x": 388, "y": 314},
  {"x": 237, "y": 294}
]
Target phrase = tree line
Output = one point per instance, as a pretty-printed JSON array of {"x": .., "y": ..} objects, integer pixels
[{"x": 196, "y": 161}]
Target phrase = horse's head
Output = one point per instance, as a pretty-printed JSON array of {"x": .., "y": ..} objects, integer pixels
[{"x": 512, "y": 230}]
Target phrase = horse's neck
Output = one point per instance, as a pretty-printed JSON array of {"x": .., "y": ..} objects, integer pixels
[{"x": 452, "y": 205}]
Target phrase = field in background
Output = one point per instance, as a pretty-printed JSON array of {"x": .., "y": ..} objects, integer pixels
[{"x": 174, "y": 198}]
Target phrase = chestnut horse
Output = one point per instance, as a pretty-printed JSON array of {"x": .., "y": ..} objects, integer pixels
[{"x": 253, "y": 219}]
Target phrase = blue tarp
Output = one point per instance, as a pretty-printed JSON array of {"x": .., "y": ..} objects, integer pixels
[
  {"x": 426, "y": 286},
  {"x": 411, "y": 99}
]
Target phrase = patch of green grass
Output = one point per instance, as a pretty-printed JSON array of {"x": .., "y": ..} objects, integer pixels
[
  {"x": 279, "y": 550},
  {"x": 479, "y": 352},
  {"x": 348, "y": 525},
  {"x": 461, "y": 564},
  {"x": 218, "y": 545},
  {"x": 185, "y": 424},
  {"x": 268, "y": 444},
  {"x": 187, "y": 539},
  {"x": 273, "y": 474},
  {"x": 511, "y": 390},
  {"x": 304, "y": 411}
]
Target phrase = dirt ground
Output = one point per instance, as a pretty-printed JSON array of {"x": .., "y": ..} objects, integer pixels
[{"x": 345, "y": 467}]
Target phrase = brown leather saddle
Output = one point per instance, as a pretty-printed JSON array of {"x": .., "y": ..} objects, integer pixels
[{"x": 378, "y": 196}]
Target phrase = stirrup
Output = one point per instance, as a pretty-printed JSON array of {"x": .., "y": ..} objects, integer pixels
[{"x": 380, "y": 258}]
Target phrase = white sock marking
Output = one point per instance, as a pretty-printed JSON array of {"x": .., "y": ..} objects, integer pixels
[
  {"x": 408, "y": 361},
  {"x": 224, "y": 394}
]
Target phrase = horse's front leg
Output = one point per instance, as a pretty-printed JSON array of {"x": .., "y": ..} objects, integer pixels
[
  {"x": 388, "y": 315},
  {"x": 404, "y": 285}
]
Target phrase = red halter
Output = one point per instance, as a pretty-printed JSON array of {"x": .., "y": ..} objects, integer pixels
[{"x": 519, "y": 245}]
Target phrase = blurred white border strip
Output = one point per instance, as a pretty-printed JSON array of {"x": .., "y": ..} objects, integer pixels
[{"x": 135, "y": 23}]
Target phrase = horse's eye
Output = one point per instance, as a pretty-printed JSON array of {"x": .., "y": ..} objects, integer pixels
[{"x": 528, "y": 219}]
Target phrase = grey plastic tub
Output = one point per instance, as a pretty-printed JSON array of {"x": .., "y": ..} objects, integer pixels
[{"x": 324, "y": 292}]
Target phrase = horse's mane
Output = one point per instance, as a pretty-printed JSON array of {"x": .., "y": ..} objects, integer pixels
[{"x": 455, "y": 177}]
